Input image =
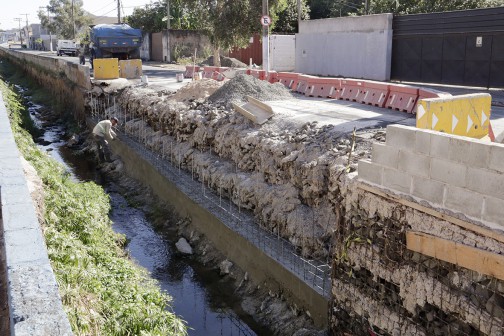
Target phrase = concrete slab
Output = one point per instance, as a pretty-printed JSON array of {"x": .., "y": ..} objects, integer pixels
[{"x": 343, "y": 114}]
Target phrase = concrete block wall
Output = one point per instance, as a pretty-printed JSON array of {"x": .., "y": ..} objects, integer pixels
[
  {"x": 460, "y": 174},
  {"x": 77, "y": 74},
  {"x": 34, "y": 302}
]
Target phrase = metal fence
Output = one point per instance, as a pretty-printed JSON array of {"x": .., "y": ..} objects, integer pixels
[{"x": 194, "y": 183}]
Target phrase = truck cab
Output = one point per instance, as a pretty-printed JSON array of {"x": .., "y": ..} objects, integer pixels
[{"x": 116, "y": 41}]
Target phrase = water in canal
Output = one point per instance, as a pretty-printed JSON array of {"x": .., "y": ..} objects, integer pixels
[{"x": 200, "y": 296}]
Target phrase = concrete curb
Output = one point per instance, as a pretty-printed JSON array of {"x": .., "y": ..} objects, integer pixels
[{"x": 34, "y": 302}]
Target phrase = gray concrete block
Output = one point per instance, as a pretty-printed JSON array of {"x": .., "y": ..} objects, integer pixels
[
  {"x": 396, "y": 180},
  {"x": 423, "y": 141},
  {"x": 370, "y": 172},
  {"x": 19, "y": 216},
  {"x": 464, "y": 201},
  {"x": 35, "y": 302},
  {"x": 25, "y": 246},
  {"x": 448, "y": 172},
  {"x": 472, "y": 152},
  {"x": 493, "y": 210},
  {"x": 440, "y": 145},
  {"x": 15, "y": 193},
  {"x": 427, "y": 189},
  {"x": 486, "y": 182},
  {"x": 496, "y": 161},
  {"x": 414, "y": 163},
  {"x": 385, "y": 155},
  {"x": 401, "y": 136}
]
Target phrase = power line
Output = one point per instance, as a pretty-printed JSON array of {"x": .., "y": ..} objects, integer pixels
[{"x": 98, "y": 10}]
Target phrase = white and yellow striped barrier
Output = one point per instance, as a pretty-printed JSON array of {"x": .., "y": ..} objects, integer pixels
[{"x": 465, "y": 115}]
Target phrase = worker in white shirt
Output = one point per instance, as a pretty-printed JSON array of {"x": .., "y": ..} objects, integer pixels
[{"x": 103, "y": 130}]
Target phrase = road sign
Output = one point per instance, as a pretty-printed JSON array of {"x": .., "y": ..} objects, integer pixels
[{"x": 265, "y": 20}]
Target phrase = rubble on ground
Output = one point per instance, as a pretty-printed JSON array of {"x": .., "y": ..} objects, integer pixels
[{"x": 237, "y": 89}]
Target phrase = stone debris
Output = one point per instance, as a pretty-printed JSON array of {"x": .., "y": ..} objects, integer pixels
[
  {"x": 237, "y": 89},
  {"x": 225, "y": 267},
  {"x": 183, "y": 246}
]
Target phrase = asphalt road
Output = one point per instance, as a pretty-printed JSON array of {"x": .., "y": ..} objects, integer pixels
[{"x": 325, "y": 111}]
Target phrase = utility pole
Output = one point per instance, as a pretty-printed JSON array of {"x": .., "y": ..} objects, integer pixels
[
  {"x": 27, "y": 31},
  {"x": 366, "y": 7},
  {"x": 118, "y": 11},
  {"x": 265, "y": 40},
  {"x": 49, "y": 22},
  {"x": 73, "y": 21},
  {"x": 167, "y": 14},
  {"x": 168, "y": 54},
  {"x": 20, "y": 37}
]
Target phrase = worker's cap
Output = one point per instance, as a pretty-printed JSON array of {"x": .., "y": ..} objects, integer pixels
[{"x": 114, "y": 119}]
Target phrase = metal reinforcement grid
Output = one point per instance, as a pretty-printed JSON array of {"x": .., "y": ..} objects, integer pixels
[{"x": 315, "y": 273}]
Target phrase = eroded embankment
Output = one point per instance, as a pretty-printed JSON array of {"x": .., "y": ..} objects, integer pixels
[
  {"x": 280, "y": 171},
  {"x": 294, "y": 178}
]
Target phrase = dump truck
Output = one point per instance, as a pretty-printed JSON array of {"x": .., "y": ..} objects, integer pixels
[{"x": 115, "y": 41}]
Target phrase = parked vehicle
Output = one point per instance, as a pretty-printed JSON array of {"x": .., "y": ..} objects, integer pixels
[
  {"x": 115, "y": 41},
  {"x": 66, "y": 47}
]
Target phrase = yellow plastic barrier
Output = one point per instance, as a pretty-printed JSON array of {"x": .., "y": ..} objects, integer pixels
[
  {"x": 106, "y": 68},
  {"x": 466, "y": 115},
  {"x": 130, "y": 68}
]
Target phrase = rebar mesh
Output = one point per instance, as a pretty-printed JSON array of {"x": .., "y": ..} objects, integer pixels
[{"x": 194, "y": 182}]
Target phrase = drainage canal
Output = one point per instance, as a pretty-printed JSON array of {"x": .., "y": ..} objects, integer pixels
[{"x": 199, "y": 294}]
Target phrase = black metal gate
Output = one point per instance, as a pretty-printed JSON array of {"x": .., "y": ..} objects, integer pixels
[{"x": 460, "y": 47}]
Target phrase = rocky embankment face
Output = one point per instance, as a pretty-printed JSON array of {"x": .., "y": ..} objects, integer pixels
[{"x": 282, "y": 171}]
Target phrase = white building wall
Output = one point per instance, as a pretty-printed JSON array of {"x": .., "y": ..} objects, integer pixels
[
  {"x": 355, "y": 47},
  {"x": 282, "y": 52}
]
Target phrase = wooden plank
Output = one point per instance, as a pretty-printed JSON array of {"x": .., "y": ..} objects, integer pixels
[
  {"x": 499, "y": 236},
  {"x": 260, "y": 104},
  {"x": 245, "y": 113},
  {"x": 475, "y": 259}
]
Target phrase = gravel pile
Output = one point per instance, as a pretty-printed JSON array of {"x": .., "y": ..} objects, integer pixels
[
  {"x": 225, "y": 62},
  {"x": 236, "y": 90}
]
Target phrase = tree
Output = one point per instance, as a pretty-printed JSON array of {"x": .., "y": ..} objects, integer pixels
[
  {"x": 333, "y": 8},
  {"x": 67, "y": 18},
  {"x": 152, "y": 17},
  {"x": 286, "y": 20}
]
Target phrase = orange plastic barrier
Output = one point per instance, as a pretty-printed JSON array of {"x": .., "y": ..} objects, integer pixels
[
  {"x": 289, "y": 79},
  {"x": 304, "y": 84},
  {"x": 323, "y": 87},
  {"x": 351, "y": 89},
  {"x": 431, "y": 93},
  {"x": 208, "y": 71},
  {"x": 272, "y": 77},
  {"x": 402, "y": 98},
  {"x": 217, "y": 74},
  {"x": 259, "y": 74},
  {"x": 374, "y": 93},
  {"x": 190, "y": 70},
  {"x": 424, "y": 93}
]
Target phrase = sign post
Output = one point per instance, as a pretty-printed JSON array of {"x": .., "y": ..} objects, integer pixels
[{"x": 265, "y": 22}]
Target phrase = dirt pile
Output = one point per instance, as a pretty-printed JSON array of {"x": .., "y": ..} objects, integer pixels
[
  {"x": 236, "y": 90},
  {"x": 225, "y": 62},
  {"x": 197, "y": 90}
]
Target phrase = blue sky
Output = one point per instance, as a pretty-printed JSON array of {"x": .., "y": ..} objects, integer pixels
[{"x": 11, "y": 9}]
